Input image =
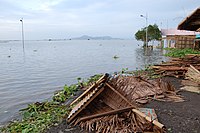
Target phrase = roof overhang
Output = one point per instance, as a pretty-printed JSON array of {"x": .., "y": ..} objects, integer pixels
[{"x": 191, "y": 22}]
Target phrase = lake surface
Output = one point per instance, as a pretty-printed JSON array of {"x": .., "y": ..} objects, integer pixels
[{"x": 46, "y": 66}]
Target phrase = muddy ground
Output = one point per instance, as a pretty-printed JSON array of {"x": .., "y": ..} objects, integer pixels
[{"x": 182, "y": 117}]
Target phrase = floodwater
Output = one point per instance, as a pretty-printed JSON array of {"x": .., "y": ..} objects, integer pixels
[{"x": 46, "y": 66}]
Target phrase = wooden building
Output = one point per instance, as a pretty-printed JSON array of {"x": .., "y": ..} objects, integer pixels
[
  {"x": 180, "y": 38},
  {"x": 192, "y": 23},
  {"x": 185, "y": 36}
]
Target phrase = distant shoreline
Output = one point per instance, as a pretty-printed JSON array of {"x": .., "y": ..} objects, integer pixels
[{"x": 84, "y": 37}]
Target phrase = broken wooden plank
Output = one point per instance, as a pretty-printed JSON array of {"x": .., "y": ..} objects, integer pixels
[
  {"x": 85, "y": 104},
  {"x": 191, "y": 89},
  {"x": 93, "y": 86},
  {"x": 120, "y": 95},
  {"x": 190, "y": 83},
  {"x": 106, "y": 113},
  {"x": 193, "y": 74},
  {"x": 155, "y": 122}
]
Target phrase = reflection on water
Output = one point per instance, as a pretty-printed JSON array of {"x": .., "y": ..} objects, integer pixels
[
  {"x": 146, "y": 57},
  {"x": 46, "y": 66}
]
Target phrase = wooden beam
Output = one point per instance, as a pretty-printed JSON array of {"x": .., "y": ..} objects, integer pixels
[
  {"x": 155, "y": 122},
  {"x": 94, "y": 85},
  {"x": 120, "y": 95},
  {"x": 106, "y": 113},
  {"x": 90, "y": 100}
]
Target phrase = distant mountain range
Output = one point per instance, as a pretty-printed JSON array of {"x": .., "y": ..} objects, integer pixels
[{"x": 86, "y": 37}]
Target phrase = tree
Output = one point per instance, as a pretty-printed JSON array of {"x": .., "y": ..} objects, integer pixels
[{"x": 153, "y": 34}]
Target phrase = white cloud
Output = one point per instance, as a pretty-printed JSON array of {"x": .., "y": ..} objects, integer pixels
[
  {"x": 61, "y": 18},
  {"x": 35, "y": 5}
]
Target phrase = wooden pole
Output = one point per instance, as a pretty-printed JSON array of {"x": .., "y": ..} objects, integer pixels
[
  {"x": 155, "y": 122},
  {"x": 105, "y": 113}
]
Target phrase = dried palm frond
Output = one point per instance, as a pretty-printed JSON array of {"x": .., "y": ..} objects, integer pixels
[
  {"x": 139, "y": 89},
  {"x": 125, "y": 122}
]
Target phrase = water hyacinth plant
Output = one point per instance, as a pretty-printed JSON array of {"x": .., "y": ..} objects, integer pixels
[
  {"x": 180, "y": 52},
  {"x": 37, "y": 117}
]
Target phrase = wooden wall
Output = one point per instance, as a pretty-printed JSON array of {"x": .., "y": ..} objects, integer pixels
[{"x": 183, "y": 41}]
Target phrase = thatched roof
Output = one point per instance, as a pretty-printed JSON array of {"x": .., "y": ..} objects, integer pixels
[
  {"x": 191, "y": 22},
  {"x": 110, "y": 105}
]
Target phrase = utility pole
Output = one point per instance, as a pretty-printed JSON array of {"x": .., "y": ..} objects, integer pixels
[
  {"x": 21, "y": 20},
  {"x": 146, "y": 17}
]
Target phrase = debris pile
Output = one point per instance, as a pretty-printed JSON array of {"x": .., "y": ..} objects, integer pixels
[
  {"x": 177, "y": 67},
  {"x": 193, "y": 74},
  {"x": 192, "y": 82},
  {"x": 111, "y": 105},
  {"x": 141, "y": 90}
]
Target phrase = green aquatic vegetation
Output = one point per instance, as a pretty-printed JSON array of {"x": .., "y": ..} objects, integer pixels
[
  {"x": 67, "y": 92},
  {"x": 124, "y": 70},
  {"x": 94, "y": 78},
  {"x": 37, "y": 117},
  {"x": 181, "y": 52}
]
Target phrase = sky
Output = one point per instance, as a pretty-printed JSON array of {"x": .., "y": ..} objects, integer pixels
[{"x": 64, "y": 19}]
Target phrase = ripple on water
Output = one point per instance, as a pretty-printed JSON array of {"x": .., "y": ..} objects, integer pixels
[{"x": 34, "y": 76}]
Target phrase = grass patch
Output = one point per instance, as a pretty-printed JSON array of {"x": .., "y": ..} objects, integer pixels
[{"x": 180, "y": 52}]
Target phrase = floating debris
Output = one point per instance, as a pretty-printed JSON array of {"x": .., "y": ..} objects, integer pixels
[{"x": 115, "y": 57}]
